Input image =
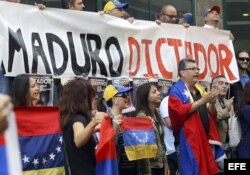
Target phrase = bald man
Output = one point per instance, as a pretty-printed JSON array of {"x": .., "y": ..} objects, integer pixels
[{"x": 168, "y": 14}]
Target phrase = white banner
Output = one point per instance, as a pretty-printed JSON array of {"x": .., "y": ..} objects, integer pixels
[{"x": 68, "y": 43}]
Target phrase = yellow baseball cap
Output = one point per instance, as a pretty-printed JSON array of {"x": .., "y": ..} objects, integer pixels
[
  {"x": 110, "y": 91},
  {"x": 112, "y": 4}
]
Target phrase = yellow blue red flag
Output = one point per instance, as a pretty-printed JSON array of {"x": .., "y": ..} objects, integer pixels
[
  {"x": 106, "y": 158},
  {"x": 139, "y": 138},
  {"x": 196, "y": 154},
  {"x": 40, "y": 140}
]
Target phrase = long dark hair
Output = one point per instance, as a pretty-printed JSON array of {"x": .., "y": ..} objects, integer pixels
[
  {"x": 142, "y": 104},
  {"x": 77, "y": 96},
  {"x": 20, "y": 90},
  {"x": 142, "y": 98},
  {"x": 245, "y": 99}
]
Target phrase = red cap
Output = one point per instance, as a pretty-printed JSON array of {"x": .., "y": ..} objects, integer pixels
[{"x": 214, "y": 8}]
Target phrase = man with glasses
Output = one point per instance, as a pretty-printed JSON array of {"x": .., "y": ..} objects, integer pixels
[
  {"x": 168, "y": 14},
  {"x": 224, "y": 108},
  {"x": 236, "y": 89},
  {"x": 192, "y": 113}
]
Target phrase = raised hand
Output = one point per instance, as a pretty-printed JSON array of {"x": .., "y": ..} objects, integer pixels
[{"x": 228, "y": 103}]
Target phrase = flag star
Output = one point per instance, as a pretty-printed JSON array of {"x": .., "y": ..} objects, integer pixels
[
  {"x": 61, "y": 139},
  {"x": 35, "y": 161},
  {"x": 58, "y": 149},
  {"x": 26, "y": 159},
  {"x": 44, "y": 161},
  {"x": 52, "y": 156},
  {"x": 186, "y": 93}
]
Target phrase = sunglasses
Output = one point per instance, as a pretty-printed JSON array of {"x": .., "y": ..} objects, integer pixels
[
  {"x": 123, "y": 95},
  {"x": 170, "y": 16},
  {"x": 243, "y": 59}
]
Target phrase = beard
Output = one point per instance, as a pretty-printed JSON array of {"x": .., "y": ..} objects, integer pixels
[{"x": 241, "y": 67}]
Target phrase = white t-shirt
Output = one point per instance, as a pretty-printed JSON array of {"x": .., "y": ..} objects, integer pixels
[
  {"x": 208, "y": 26},
  {"x": 168, "y": 132}
]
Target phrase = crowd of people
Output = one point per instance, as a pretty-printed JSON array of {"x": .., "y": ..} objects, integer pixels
[{"x": 190, "y": 123}]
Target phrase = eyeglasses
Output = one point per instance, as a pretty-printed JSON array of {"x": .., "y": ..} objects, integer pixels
[
  {"x": 123, "y": 95},
  {"x": 170, "y": 16},
  {"x": 192, "y": 68},
  {"x": 243, "y": 59}
]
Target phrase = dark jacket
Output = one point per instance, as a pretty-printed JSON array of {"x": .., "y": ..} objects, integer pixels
[
  {"x": 160, "y": 160},
  {"x": 236, "y": 90},
  {"x": 244, "y": 145}
]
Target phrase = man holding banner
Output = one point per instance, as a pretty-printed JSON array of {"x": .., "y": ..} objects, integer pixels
[
  {"x": 168, "y": 14},
  {"x": 73, "y": 5},
  {"x": 117, "y": 9},
  {"x": 212, "y": 17}
]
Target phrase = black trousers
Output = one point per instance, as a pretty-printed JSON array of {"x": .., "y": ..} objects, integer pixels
[
  {"x": 157, "y": 171},
  {"x": 128, "y": 171},
  {"x": 173, "y": 163}
]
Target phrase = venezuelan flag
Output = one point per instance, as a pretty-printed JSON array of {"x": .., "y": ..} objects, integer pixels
[
  {"x": 196, "y": 157},
  {"x": 106, "y": 158},
  {"x": 139, "y": 138},
  {"x": 40, "y": 140}
]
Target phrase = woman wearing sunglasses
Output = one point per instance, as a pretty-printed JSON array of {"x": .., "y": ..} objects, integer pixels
[{"x": 117, "y": 99}]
